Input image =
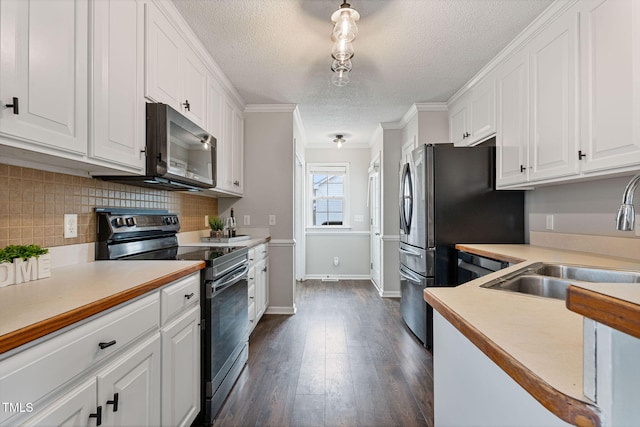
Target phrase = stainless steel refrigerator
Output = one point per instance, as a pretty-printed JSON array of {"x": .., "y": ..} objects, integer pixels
[{"x": 448, "y": 196}]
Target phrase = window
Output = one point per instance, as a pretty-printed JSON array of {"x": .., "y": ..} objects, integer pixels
[{"x": 327, "y": 195}]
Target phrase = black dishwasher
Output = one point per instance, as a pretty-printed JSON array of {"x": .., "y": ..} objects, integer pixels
[{"x": 472, "y": 266}]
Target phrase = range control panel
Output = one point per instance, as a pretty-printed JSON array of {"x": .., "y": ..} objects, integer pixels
[{"x": 132, "y": 223}]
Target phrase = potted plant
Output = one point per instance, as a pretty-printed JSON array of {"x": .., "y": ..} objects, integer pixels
[
  {"x": 217, "y": 225},
  {"x": 23, "y": 263}
]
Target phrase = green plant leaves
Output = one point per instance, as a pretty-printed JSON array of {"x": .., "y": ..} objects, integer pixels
[{"x": 11, "y": 252}]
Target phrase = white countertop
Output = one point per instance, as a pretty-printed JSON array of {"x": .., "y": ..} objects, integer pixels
[
  {"x": 541, "y": 334},
  {"x": 75, "y": 290}
]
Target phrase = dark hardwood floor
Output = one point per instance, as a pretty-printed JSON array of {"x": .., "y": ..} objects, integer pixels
[{"x": 345, "y": 359}]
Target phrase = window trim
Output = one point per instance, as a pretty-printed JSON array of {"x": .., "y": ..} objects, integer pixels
[{"x": 327, "y": 167}]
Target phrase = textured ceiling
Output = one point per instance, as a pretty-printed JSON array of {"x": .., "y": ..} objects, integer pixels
[{"x": 407, "y": 51}]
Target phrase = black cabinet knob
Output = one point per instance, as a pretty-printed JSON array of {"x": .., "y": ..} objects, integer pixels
[
  {"x": 15, "y": 105},
  {"x": 186, "y": 105}
]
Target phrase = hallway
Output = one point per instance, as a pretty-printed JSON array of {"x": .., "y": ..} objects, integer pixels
[{"x": 345, "y": 359}]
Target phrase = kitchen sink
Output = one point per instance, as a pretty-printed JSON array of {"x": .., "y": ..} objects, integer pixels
[{"x": 551, "y": 280}]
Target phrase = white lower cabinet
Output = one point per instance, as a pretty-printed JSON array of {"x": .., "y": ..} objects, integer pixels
[
  {"x": 258, "y": 278},
  {"x": 129, "y": 388},
  {"x": 122, "y": 368},
  {"x": 71, "y": 409},
  {"x": 181, "y": 369}
]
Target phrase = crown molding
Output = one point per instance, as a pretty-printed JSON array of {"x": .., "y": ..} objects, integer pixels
[{"x": 270, "y": 108}]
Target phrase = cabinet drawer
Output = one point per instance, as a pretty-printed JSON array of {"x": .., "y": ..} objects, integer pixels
[
  {"x": 31, "y": 374},
  {"x": 178, "y": 296},
  {"x": 252, "y": 292},
  {"x": 258, "y": 252}
]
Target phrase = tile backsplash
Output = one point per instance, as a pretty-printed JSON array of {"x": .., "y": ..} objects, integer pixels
[{"x": 33, "y": 204}]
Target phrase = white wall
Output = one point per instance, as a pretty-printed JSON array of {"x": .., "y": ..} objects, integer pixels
[
  {"x": 351, "y": 246},
  {"x": 268, "y": 177}
]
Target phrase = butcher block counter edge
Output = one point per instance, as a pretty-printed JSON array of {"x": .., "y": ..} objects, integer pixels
[
  {"x": 38, "y": 329},
  {"x": 611, "y": 311},
  {"x": 564, "y": 407}
]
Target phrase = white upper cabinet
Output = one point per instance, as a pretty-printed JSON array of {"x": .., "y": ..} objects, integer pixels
[
  {"x": 118, "y": 107},
  {"x": 553, "y": 137},
  {"x": 512, "y": 133},
  {"x": 174, "y": 74},
  {"x": 472, "y": 117},
  {"x": 237, "y": 151},
  {"x": 610, "y": 63},
  {"x": 44, "y": 67}
]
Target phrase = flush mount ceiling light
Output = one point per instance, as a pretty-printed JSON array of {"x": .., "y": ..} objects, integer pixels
[
  {"x": 344, "y": 32},
  {"x": 339, "y": 140}
]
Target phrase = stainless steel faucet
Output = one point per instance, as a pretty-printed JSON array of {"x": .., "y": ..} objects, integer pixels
[{"x": 626, "y": 213}]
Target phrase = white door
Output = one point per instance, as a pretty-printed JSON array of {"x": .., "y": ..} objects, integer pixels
[
  {"x": 610, "y": 54},
  {"x": 133, "y": 381},
  {"x": 181, "y": 370},
  {"x": 375, "y": 227},
  {"x": 118, "y": 124},
  {"x": 554, "y": 78},
  {"x": 44, "y": 66},
  {"x": 299, "y": 195},
  {"x": 72, "y": 409},
  {"x": 512, "y": 137}
]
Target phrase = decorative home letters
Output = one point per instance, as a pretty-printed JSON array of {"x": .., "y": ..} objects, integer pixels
[{"x": 20, "y": 271}]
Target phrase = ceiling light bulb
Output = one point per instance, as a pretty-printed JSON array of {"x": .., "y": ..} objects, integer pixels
[
  {"x": 339, "y": 144},
  {"x": 339, "y": 140},
  {"x": 342, "y": 50}
]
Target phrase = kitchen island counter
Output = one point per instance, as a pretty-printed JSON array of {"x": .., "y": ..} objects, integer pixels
[
  {"x": 31, "y": 310},
  {"x": 536, "y": 341}
]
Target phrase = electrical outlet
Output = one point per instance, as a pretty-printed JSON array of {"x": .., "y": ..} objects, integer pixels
[
  {"x": 336, "y": 261},
  {"x": 246, "y": 220},
  {"x": 206, "y": 220},
  {"x": 70, "y": 226},
  {"x": 272, "y": 220}
]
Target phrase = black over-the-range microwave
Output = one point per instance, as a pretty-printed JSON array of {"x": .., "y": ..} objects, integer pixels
[{"x": 180, "y": 155}]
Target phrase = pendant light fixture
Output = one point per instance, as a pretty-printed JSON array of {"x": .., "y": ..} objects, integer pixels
[
  {"x": 339, "y": 140},
  {"x": 344, "y": 32}
]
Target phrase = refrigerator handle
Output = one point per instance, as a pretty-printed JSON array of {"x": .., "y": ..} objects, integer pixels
[
  {"x": 410, "y": 277},
  {"x": 410, "y": 252}
]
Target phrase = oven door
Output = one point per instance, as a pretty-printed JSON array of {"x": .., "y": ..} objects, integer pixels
[{"x": 226, "y": 325}]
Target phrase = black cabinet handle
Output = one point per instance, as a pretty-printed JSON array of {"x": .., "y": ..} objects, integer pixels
[
  {"x": 104, "y": 345},
  {"x": 466, "y": 135},
  {"x": 189, "y": 296},
  {"x": 186, "y": 104},
  {"x": 581, "y": 155},
  {"x": 522, "y": 168},
  {"x": 15, "y": 105},
  {"x": 264, "y": 269},
  {"x": 114, "y": 402},
  {"x": 97, "y": 416}
]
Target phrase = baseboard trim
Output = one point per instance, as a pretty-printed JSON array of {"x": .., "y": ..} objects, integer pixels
[
  {"x": 281, "y": 310},
  {"x": 390, "y": 294},
  {"x": 337, "y": 277}
]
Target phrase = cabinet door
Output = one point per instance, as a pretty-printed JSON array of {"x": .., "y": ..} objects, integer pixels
[
  {"x": 458, "y": 122},
  {"x": 135, "y": 378},
  {"x": 238, "y": 151},
  {"x": 225, "y": 150},
  {"x": 610, "y": 53},
  {"x": 261, "y": 287},
  {"x": 44, "y": 64},
  {"x": 71, "y": 409},
  {"x": 118, "y": 125},
  {"x": 163, "y": 56},
  {"x": 482, "y": 110},
  {"x": 512, "y": 136},
  {"x": 553, "y": 133},
  {"x": 194, "y": 90},
  {"x": 181, "y": 369}
]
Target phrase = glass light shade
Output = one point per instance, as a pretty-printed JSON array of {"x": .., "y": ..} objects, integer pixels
[
  {"x": 341, "y": 65},
  {"x": 342, "y": 50},
  {"x": 340, "y": 78},
  {"x": 345, "y": 28}
]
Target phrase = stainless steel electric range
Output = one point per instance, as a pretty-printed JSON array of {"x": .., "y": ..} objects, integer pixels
[{"x": 133, "y": 234}]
